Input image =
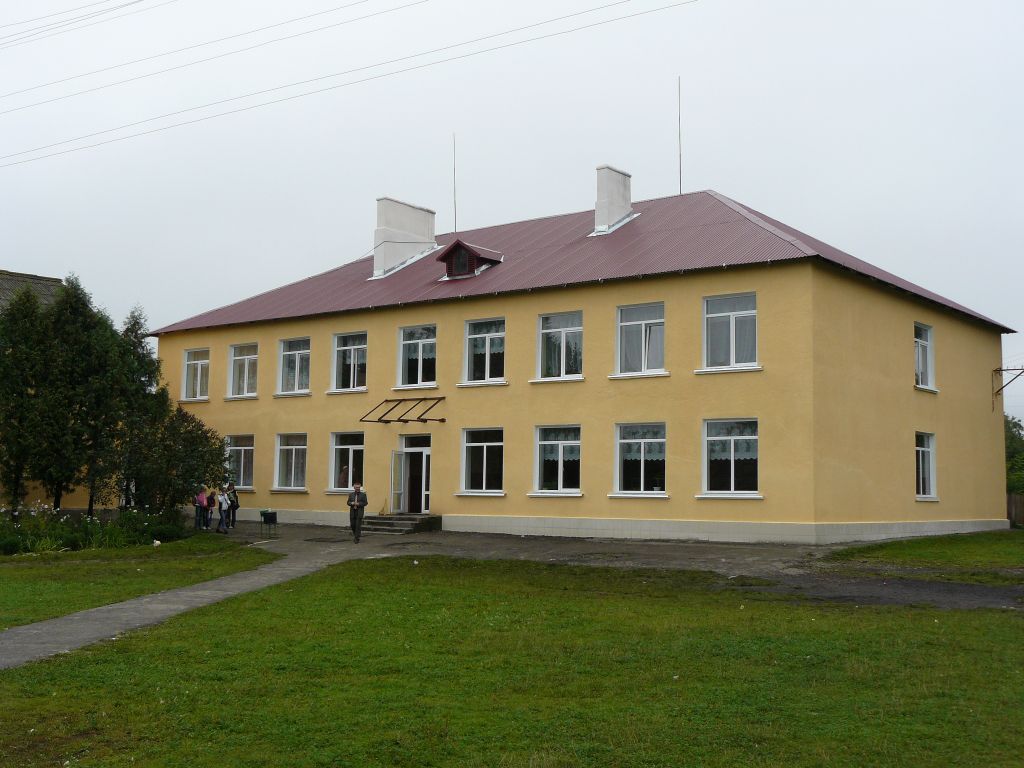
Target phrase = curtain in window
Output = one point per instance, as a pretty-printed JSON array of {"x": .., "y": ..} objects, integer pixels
[
  {"x": 631, "y": 349},
  {"x": 551, "y": 355},
  {"x": 630, "y": 459},
  {"x": 549, "y": 467},
  {"x": 570, "y": 467},
  {"x": 573, "y": 353},
  {"x": 718, "y": 341},
  {"x": 746, "y": 339},
  {"x": 655, "y": 347},
  {"x": 654, "y": 466}
]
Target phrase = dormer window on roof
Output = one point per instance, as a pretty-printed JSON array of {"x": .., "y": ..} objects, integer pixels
[{"x": 462, "y": 260}]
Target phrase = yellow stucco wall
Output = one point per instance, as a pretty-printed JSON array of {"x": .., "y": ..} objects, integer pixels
[
  {"x": 779, "y": 396},
  {"x": 867, "y": 409}
]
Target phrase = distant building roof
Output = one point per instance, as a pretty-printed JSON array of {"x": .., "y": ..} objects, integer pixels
[
  {"x": 671, "y": 235},
  {"x": 12, "y": 282}
]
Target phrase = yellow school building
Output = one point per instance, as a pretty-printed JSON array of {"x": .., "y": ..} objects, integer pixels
[{"x": 684, "y": 367}]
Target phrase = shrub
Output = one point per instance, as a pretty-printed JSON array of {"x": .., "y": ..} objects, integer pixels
[
  {"x": 169, "y": 532},
  {"x": 10, "y": 545}
]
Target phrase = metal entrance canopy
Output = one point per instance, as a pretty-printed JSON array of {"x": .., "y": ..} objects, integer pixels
[{"x": 397, "y": 411}]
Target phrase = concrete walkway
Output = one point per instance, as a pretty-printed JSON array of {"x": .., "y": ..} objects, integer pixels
[{"x": 308, "y": 549}]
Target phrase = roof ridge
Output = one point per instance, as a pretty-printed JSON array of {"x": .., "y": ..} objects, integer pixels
[
  {"x": 755, "y": 219},
  {"x": 31, "y": 275}
]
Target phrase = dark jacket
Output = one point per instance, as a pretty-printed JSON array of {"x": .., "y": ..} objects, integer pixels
[{"x": 357, "y": 500}]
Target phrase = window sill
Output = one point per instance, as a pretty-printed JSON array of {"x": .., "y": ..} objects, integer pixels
[
  {"x": 928, "y": 498},
  {"x": 730, "y": 495},
  {"x": 480, "y": 493},
  {"x": 245, "y": 490},
  {"x": 494, "y": 383},
  {"x": 923, "y": 388},
  {"x": 555, "y": 494},
  {"x": 302, "y": 393},
  {"x": 351, "y": 391},
  {"x": 338, "y": 491},
  {"x": 729, "y": 369},
  {"x": 194, "y": 400},
  {"x": 288, "y": 490},
  {"x": 241, "y": 397},
  {"x": 552, "y": 379},
  {"x": 414, "y": 386},
  {"x": 639, "y": 495},
  {"x": 639, "y": 375}
]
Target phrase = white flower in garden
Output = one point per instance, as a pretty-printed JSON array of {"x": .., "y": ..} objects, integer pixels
[{"x": 156, "y": 543}]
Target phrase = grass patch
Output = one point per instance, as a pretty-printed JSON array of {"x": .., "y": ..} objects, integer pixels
[
  {"x": 37, "y": 587},
  {"x": 470, "y": 663},
  {"x": 991, "y": 557}
]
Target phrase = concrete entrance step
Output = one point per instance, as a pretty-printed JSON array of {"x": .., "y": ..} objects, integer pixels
[{"x": 401, "y": 523}]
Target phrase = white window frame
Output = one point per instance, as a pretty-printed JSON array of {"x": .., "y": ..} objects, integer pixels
[
  {"x": 705, "y": 493},
  {"x": 732, "y": 365},
  {"x": 277, "y": 461},
  {"x": 251, "y": 450},
  {"x": 349, "y": 450},
  {"x": 645, "y": 369},
  {"x": 419, "y": 352},
  {"x": 199, "y": 365},
  {"x": 464, "y": 491},
  {"x": 467, "y": 363},
  {"x": 251, "y": 368},
  {"x": 929, "y": 450},
  {"x": 281, "y": 366},
  {"x": 617, "y": 475},
  {"x": 337, "y": 354},
  {"x": 928, "y": 345},
  {"x": 538, "y": 446},
  {"x": 561, "y": 333}
]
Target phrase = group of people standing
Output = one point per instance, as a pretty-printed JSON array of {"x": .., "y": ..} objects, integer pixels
[{"x": 224, "y": 500}]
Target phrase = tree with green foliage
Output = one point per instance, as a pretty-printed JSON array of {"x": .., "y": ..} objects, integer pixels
[
  {"x": 22, "y": 344},
  {"x": 81, "y": 405},
  {"x": 1014, "y": 455}
]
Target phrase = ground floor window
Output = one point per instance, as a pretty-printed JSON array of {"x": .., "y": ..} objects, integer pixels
[
  {"x": 484, "y": 459},
  {"x": 291, "y": 461},
  {"x": 730, "y": 449},
  {"x": 641, "y": 458},
  {"x": 558, "y": 458},
  {"x": 925, "y": 465},
  {"x": 346, "y": 460},
  {"x": 241, "y": 450}
]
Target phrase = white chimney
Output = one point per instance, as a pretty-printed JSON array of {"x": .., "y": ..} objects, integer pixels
[
  {"x": 403, "y": 231},
  {"x": 614, "y": 203}
]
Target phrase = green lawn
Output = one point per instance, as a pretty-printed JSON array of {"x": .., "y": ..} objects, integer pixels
[
  {"x": 36, "y": 587},
  {"x": 467, "y": 663},
  {"x": 993, "y": 557}
]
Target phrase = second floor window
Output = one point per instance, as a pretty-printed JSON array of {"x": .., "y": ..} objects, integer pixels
[
  {"x": 350, "y": 361},
  {"x": 291, "y": 461},
  {"x": 241, "y": 452},
  {"x": 485, "y": 350},
  {"x": 419, "y": 356},
  {"x": 730, "y": 331},
  {"x": 561, "y": 345},
  {"x": 244, "y": 361},
  {"x": 924, "y": 374},
  {"x": 197, "y": 374},
  {"x": 642, "y": 338},
  {"x": 295, "y": 365}
]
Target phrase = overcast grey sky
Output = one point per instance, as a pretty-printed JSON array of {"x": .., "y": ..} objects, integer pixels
[{"x": 890, "y": 129}]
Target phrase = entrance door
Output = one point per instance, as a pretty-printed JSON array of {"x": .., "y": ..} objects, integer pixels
[
  {"x": 398, "y": 471},
  {"x": 416, "y": 475}
]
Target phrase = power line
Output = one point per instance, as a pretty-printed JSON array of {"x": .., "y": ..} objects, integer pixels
[
  {"x": 15, "y": 44},
  {"x": 182, "y": 50},
  {"x": 336, "y": 74},
  {"x": 22, "y": 34},
  {"x": 217, "y": 56},
  {"x": 51, "y": 15}
]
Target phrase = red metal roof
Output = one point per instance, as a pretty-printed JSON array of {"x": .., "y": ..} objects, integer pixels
[{"x": 683, "y": 233}]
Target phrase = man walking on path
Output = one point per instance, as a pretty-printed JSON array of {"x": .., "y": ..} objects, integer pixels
[{"x": 356, "y": 505}]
